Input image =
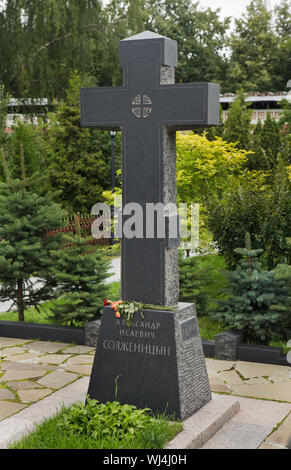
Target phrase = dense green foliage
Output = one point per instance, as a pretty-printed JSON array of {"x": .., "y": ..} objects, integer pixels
[
  {"x": 77, "y": 159},
  {"x": 259, "y": 305},
  {"x": 80, "y": 277},
  {"x": 101, "y": 426},
  {"x": 201, "y": 281},
  {"x": 54, "y": 37},
  {"x": 263, "y": 209},
  {"x": 25, "y": 251}
]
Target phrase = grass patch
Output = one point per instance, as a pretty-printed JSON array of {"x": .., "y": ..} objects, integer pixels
[
  {"x": 32, "y": 315},
  {"x": 209, "y": 328},
  {"x": 101, "y": 426}
]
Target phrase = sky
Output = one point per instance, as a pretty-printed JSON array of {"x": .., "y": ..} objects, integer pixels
[{"x": 233, "y": 8}]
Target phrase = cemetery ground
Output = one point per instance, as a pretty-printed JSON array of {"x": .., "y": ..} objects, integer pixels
[{"x": 37, "y": 378}]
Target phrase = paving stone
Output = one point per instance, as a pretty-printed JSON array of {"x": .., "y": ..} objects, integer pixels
[
  {"x": 203, "y": 424},
  {"x": 279, "y": 379},
  {"x": 28, "y": 396},
  {"x": 21, "y": 375},
  {"x": 6, "y": 342},
  {"x": 214, "y": 366},
  {"x": 20, "y": 424},
  {"x": 5, "y": 394},
  {"x": 12, "y": 351},
  {"x": 47, "y": 347},
  {"x": 235, "y": 435},
  {"x": 231, "y": 377},
  {"x": 270, "y": 446},
  {"x": 217, "y": 384},
  {"x": 251, "y": 369},
  {"x": 27, "y": 357},
  {"x": 82, "y": 359},
  {"x": 57, "y": 379},
  {"x": 8, "y": 408},
  {"x": 22, "y": 385},
  {"x": 79, "y": 350},
  {"x": 277, "y": 391},
  {"x": 10, "y": 365},
  {"x": 256, "y": 380},
  {"x": 283, "y": 434},
  {"x": 53, "y": 358},
  {"x": 80, "y": 369},
  {"x": 263, "y": 412}
]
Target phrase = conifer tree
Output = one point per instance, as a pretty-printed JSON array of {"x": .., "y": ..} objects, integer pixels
[
  {"x": 25, "y": 249},
  {"x": 80, "y": 276},
  {"x": 238, "y": 123},
  {"x": 258, "y": 305}
]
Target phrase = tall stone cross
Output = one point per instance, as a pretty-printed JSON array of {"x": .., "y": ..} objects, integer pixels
[{"x": 149, "y": 108}]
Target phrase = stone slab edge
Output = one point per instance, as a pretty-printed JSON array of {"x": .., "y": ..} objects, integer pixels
[
  {"x": 22, "y": 423},
  {"x": 204, "y": 424}
]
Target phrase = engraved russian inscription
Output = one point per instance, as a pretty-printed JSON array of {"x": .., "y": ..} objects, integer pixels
[{"x": 189, "y": 328}]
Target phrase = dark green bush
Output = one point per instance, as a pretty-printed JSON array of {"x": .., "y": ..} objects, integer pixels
[
  {"x": 201, "y": 280},
  {"x": 259, "y": 303},
  {"x": 260, "y": 208}
]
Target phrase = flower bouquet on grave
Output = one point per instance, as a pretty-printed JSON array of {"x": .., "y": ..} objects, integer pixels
[{"x": 127, "y": 309}]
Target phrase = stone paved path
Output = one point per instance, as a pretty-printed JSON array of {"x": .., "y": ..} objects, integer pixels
[{"x": 32, "y": 371}]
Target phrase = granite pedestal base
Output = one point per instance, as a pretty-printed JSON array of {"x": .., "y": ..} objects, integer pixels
[{"x": 158, "y": 362}]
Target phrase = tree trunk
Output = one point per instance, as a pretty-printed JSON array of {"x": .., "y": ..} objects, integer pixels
[{"x": 20, "y": 302}]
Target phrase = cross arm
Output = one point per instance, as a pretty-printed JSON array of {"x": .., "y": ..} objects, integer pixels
[
  {"x": 190, "y": 105},
  {"x": 103, "y": 108}
]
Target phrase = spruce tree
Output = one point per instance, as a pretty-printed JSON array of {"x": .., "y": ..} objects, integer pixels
[
  {"x": 258, "y": 305},
  {"x": 25, "y": 249},
  {"x": 80, "y": 275}
]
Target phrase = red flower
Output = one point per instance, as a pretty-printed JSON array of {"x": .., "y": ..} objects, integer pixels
[
  {"x": 106, "y": 302},
  {"x": 117, "y": 314}
]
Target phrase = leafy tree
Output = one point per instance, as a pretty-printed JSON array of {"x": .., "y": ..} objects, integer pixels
[
  {"x": 258, "y": 305},
  {"x": 252, "y": 46},
  {"x": 281, "y": 72},
  {"x": 200, "y": 35},
  {"x": 25, "y": 251},
  {"x": 203, "y": 166},
  {"x": 256, "y": 203},
  {"x": 51, "y": 38}
]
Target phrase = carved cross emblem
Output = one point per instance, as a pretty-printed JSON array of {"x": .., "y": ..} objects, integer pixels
[{"x": 141, "y": 106}]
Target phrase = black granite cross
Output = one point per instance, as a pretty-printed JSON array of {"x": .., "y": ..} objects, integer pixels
[{"x": 148, "y": 109}]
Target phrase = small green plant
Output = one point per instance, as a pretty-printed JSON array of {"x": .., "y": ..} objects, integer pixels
[{"x": 99, "y": 420}]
